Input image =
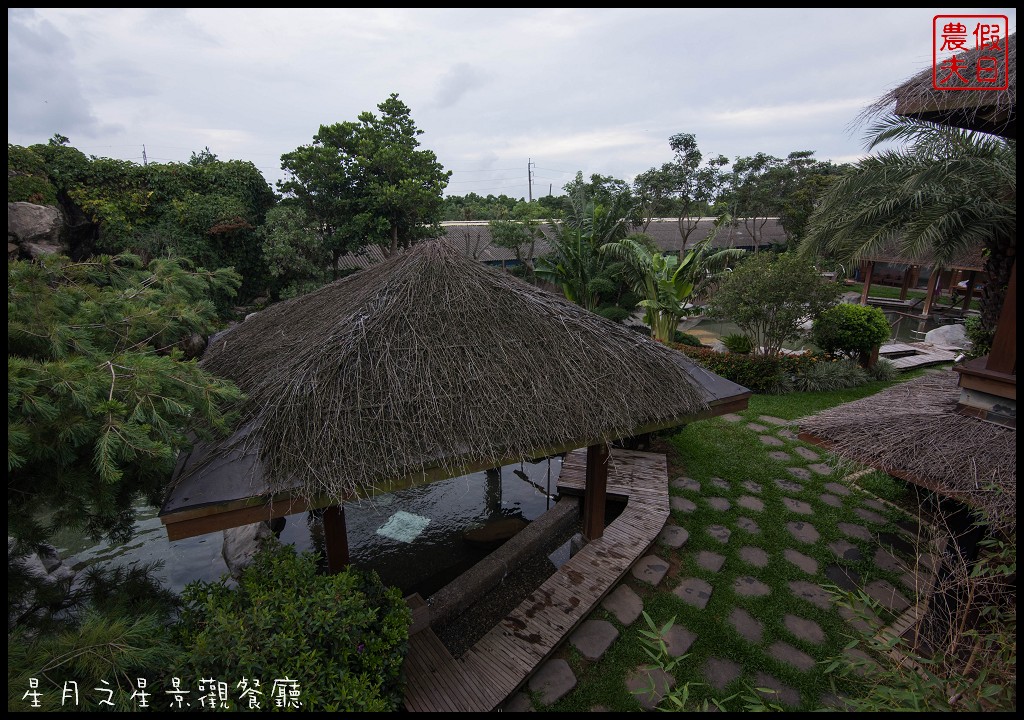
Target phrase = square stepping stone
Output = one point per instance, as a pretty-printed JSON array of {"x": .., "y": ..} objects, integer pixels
[
  {"x": 803, "y": 532},
  {"x": 780, "y": 456},
  {"x": 731, "y": 417},
  {"x": 673, "y": 536},
  {"x": 694, "y": 591},
  {"x": 857, "y": 532},
  {"x": 747, "y": 525},
  {"x": 748, "y": 628},
  {"x": 887, "y": 595},
  {"x": 870, "y": 515},
  {"x": 860, "y": 617},
  {"x": 757, "y": 427},
  {"x": 804, "y": 629},
  {"x": 830, "y": 499},
  {"x": 772, "y": 420},
  {"x": 650, "y": 569},
  {"x": 845, "y": 578},
  {"x": 788, "y": 434},
  {"x": 685, "y": 483},
  {"x": 752, "y": 487},
  {"x": 681, "y": 504},
  {"x": 820, "y": 469},
  {"x": 778, "y": 692},
  {"x": 838, "y": 489},
  {"x": 789, "y": 485},
  {"x": 874, "y": 504},
  {"x": 799, "y": 473},
  {"x": 754, "y": 556},
  {"x": 751, "y": 503},
  {"x": 889, "y": 562},
  {"x": 720, "y": 483},
  {"x": 520, "y": 702},
  {"x": 710, "y": 561},
  {"x": 552, "y": 682},
  {"x": 845, "y": 550},
  {"x": 593, "y": 637},
  {"x": 806, "y": 453},
  {"x": 797, "y": 506},
  {"x": 808, "y": 564},
  {"x": 719, "y": 672},
  {"x": 771, "y": 441},
  {"x": 719, "y": 533},
  {"x": 649, "y": 685},
  {"x": 718, "y": 503},
  {"x": 784, "y": 652},
  {"x": 897, "y": 542},
  {"x": 814, "y": 594},
  {"x": 624, "y": 604},
  {"x": 748, "y": 586},
  {"x": 678, "y": 640}
]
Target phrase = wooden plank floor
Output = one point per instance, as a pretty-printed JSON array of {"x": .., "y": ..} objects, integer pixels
[
  {"x": 923, "y": 354},
  {"x": 505, "y": 658}
]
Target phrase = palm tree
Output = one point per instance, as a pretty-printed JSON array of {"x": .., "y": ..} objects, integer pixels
[{"x": 945, "y": 191}]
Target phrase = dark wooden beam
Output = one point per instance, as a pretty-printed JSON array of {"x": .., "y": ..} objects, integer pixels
[
  {"x": 867, "y": 283},
  {"x": 1002, "y": 357},
  {"x": 595, "y": 491},
  {"x": 933, "y": 281},
  {"x": 907, "y": 272},
  {"x": 335, "y": 538}
]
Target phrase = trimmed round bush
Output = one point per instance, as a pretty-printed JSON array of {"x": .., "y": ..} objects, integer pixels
[
  {"x": 687, "y": 339},
  {"x": 849, "y": 330}
]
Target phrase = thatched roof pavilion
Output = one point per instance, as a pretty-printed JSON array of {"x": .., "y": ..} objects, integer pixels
[
  {"x": 426, "y": 366},
  {"x": 913, "y": 431}
]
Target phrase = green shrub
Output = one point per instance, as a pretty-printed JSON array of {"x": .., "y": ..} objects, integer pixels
[
  {"x": 613, "y": 313},
  {"x": 850, "y": 330},
  {"x": 687, "y": 339},
  {"x": 825, "y": 376},
  {"x": 883, "y": 369},
  {"x": 737, "y": 343},
  {"x": 980, "y": 337},
  {"x": 343, "y": 637}
]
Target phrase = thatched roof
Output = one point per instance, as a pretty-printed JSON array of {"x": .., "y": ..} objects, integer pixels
[
  {"x": 972, "y": 259},
  {"x": 473, "y": 239},
  {"x": 989, "y": 111},
  {"x": 912, "y": 430},
  {"x": 432, "y": 360}
]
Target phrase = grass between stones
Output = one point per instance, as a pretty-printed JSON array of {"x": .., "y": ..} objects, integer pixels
[{"x": 720, "y": 449}]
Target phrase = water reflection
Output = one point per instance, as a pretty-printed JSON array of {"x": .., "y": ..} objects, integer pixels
[{"x": 420, "y": 561}]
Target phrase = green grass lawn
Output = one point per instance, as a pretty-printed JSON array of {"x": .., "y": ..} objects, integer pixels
[{"x": 719, "y": 448}]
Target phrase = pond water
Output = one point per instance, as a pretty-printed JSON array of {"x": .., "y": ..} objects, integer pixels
[{"x": 412, "y": 538}]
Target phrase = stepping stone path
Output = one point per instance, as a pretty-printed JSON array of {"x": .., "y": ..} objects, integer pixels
[
  {"x": 784, "y": 694},
  {"x": 754, "y": 556},
  {"x": 751, "y": 486},
  {"x": 624, "y": 604},
  {"x": 804, "y": 629},
  {"x": 771, "y": 420},
  {"x": 845, "y": 578},
  {"x": 650, "y": 569},
  {"x": 897, "y": 543},
  {"x": 806, "y": 453},
  {"x": 788, "y": 654},
  {"x": 789, "y": 485},
  {"x": 747, "y": 525},
  {"x": 685, "y": 483},
  {"x": 808, "y": 564},
  {"x": 837, "y": 489},
  {"x": 831, "y": 500},
  {"x": 788, "y": 434},
  {"x": 886, "y": 595},
  {"x": 857, "y": 532},
  {"x": 678, "y": 640},
  {"x": 751, "y": 503},
  {"x": 820, "y": 468},
  {"x": 720, "y": 483},
  {"x": 749, "y": 628},
  {"x": 799, "y": 473},
  {"x": 748, "y": 586},
  {"x": 772, "y": 441},
  {"x": 718, "y": 503},
  {"x": 861, "y": 618},
  {"x": 694, "y": 591},
  {"x": 814, "y": 594},
  {"x": 649, "y": 684},
  {"x": 520, "y": 702},
  {"x": 710, "y": 561},
  {"x": 719, "y": 672},
  {"x": 673, "y": 536},
  {"x": 803, "y": 532},
  {"x": 553, "y": 681},
  {"x": 593, "y": 637},
  {"x": 756, "y": 427},
  {"x": 681, "y": 504},
  {"x": 731, "y": 417},
  {"x": 779, "y": 456},
  {"x": 870, "y": 516},
  {"x": 887, "y": 561},
  {"x": 797, "y": 506},
  {"x": 719, "y": 533},
  {"x": 874, "y": 504},
  {"x": 845, "y": 550}
]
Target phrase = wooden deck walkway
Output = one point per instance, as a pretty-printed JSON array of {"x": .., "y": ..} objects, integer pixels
[
  {"x": 919, "y": 354},
  {"x": 505, "y": 658}
]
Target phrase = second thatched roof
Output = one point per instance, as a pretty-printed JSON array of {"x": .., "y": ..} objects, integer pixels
[{"x": 430, "y": 360}]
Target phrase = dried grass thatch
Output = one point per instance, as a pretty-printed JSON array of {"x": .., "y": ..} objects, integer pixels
[
  {"x": 912, "y": 430},
  {"x": 988, "y": 111},
  {"x": 431, "y": 359}
]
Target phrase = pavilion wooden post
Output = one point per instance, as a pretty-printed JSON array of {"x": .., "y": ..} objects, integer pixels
[
  {"x": 1003, "y": 355},
  {"x": 933, "y": 281},
  {"x": 907, "y": 272},
  {"x": 335, "y": 538},
  {"x": 867, "y": 283},
  {"x": 969, "y": 293},
  {"x": 595, "y": 491}
]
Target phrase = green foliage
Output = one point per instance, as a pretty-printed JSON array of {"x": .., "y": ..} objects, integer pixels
[
  {"x": 981, "y": 337},
  {"x": 613, "y": 313},
  {"x": 99, "y": 398},
  {"x": 737, "y": 343},
  {"x": 883, "y": 369},
  {"x": 828, "y": 376},
  {"x": 770, "y": 296},
  {"x": 343, "y": 637},
  {"x": 295, "y": 252},
  {"x": 683, "y": 338},
  {"x": 26, "y": 178},
  {"x": 850, "y": 330}
]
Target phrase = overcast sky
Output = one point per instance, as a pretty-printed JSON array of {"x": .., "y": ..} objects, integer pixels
[{"x": 591, "y": 90}]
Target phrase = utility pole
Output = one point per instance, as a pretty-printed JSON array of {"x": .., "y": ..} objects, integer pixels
[
  {"x": 144, "y": 155},
  {"x": 529, "y": 177}
]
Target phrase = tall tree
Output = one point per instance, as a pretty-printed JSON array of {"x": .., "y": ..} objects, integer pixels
[
  {"x": 367, "y": 182},
  {"x": 943, "y": 192}
]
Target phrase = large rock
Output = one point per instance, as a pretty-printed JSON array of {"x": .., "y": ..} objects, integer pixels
[
  {"x": 34, "y": 229},
  {"x": 949, "y": 335},
  {"x": 241, "y": 544}
]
